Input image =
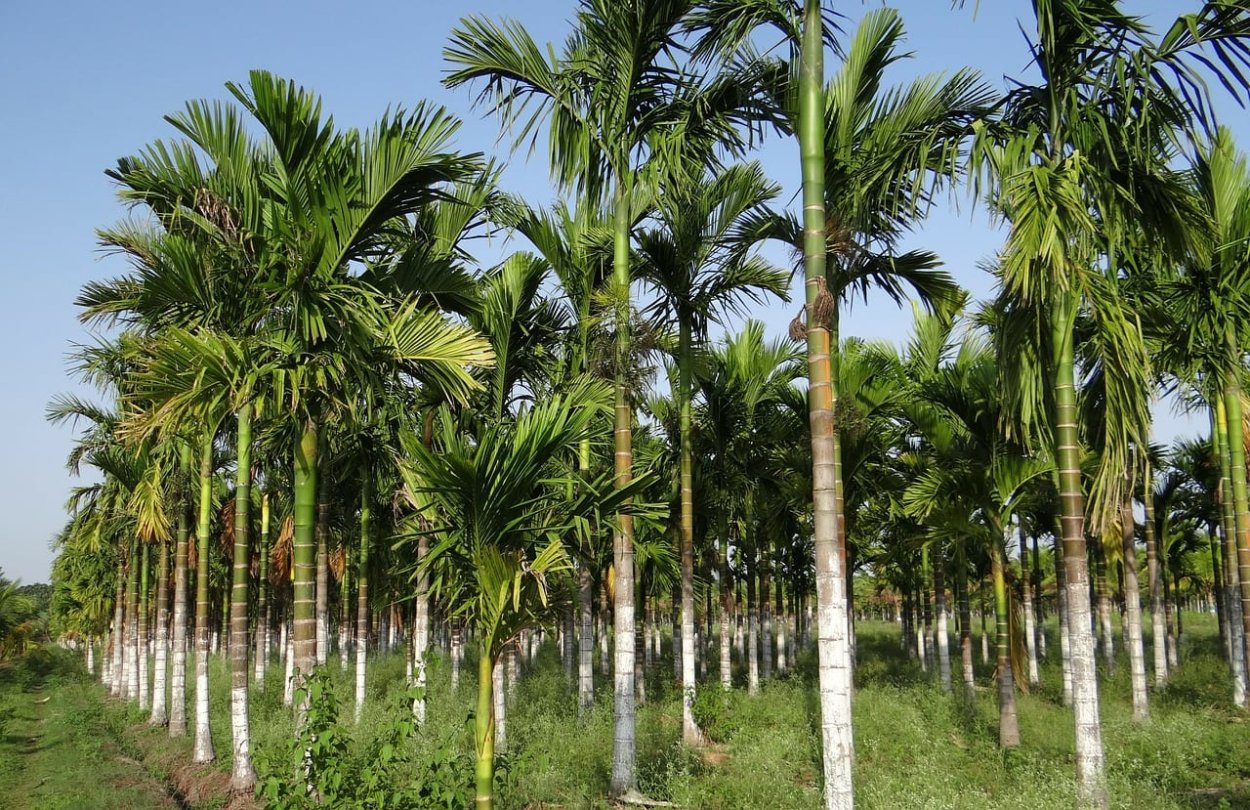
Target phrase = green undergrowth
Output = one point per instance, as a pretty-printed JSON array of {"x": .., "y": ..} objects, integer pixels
[{"x": 915, "y": 747}]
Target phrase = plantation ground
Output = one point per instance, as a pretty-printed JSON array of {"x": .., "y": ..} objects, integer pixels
[{"x": 915, "y": 747}]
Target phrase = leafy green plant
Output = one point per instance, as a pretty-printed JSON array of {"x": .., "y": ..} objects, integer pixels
[{"x": 392, "y": 772}]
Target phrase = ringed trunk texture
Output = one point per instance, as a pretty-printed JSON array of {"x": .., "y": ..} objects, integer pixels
[
  {"x": 420, "y": 630},
  {"x": 1132, "y": 613},
  {"x": 117, "y": 684},
  {"x": 242, "y": 777},
  {"x": 965, "y": 625},
  {"x": 484, "y": 733},
  {"x": 1008, "y": 723},
  {"x": 624, "y": 767},
  {"x": 690, "y": 732},
  {"x": 178, "y": 676},
  {"x": 1232, "y": 577},
  {"x": 832, "y": 620},
  {"x": 585, "y": 640},
  {"x": 203, "y": 735},
  {"x": 943, "y": 639},
  {"x": 1158, "y": 623},
  {"x": 322, "y": 535},
  {"x": 1241, "y": 503},
  {"x": 304, "y": 543},
  {"x": 726, "y": 612},
  {"x": 1090, "y": 776},
  {"x": 160, "y": 714},
  {"x": 263, "y": 608},
  {"x": 362, "y": 591}
]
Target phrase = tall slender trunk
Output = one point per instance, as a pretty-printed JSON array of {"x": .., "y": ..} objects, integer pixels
[
  {"x": 1158, "y": 634},
  {"x": 1065, "y": 640},
  {"x": 726, "y": 607},
  {"x": 753, "y": 621},
  {"x": 1102, "y": 590},
  {"x": 586, "y": 639},
  {"x": 624, "y": 764},
  {"x": 1232, "y": 576},
  {"x": 344, "y": 629},
  {"x": 242, "y": 777},
  {"x": 1030, "y": 628},
  {"x": 420, "y": 629},
  {"x": 362, "y": 589},
  {"x": 501, "y": 704},
  {"x": 132, "y": 623},
  {"x": 322, "y": 534},
  {"x": 1008, "y": 724},
  {"x": 939, "y": 598},
  {"x": 203, "y": 735},
  {"x": 1090, "y": 776},
  {"x": 264, "y": 609},
  {"x": 119, "y": 624},
  {"x": 457, "y": 653},
  {"x": 766, "y": 616},
  {"x": 926, "y": 602},
  {"x": 484, "y": 732},
  {"x": 834, "y": 654},
  {"x": 965, "y": 622},
  {"x": 304, "y": 543},
  {"x": 690, "y": 732},
  {"x": 160, "y": 668},
  {"x": 178, "y": 677},
  {"x": 1035, "y": 578},
  {"x": 1241, "y": 504},
  {"x": 141, "y": 646},
  {"x": 782, "y": 663},
  {"x": 1132, "y": 613}
]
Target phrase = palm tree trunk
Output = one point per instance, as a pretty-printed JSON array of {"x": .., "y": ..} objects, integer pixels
[
  {"x": 943, "y": 639},
  {"x": 1036, "y": 580},
  {"x": 457, "y": 653},
  {"x": 1008, "y": 724},
  {"x": 690, "y": 731},
  {"x": 1030, "y": 629},
  {"x": 586, "y": 640},
  {"x": 753, "y": 647},
  {"x": 965, "y": 622},
  {"x": 160, "y": 683},
  {"x": 242, "y": 777},
  {"x": 362, "y": 590},
  {"x": 304, "y": 622},
  {"x": 1132, "y": 613},
  {"x": 117, "y": 684},
  {"x": 926, "y": 636},
  {"x": 726, "y": 608},
  {"x": 203, "y": 751},
  {"x": 500, "y": 713},
  {"x": 624, "y": 764},
  {"x": 1241, "y": 506},
  {"x": 264, "y": 609},
  {"x": 766, "y": 616},
  {"x": 141, "y": 646},
  {"x": 1065, "y": 641},
  {"x": 322, "y": 534},
  {"x": 344, "y": 625},
  {"x": 1103, "y": 591},
  {"x": 420, "y": 630},
  {"x": 1158, "y": 623},
  {"x": 132, "y": 623},
  {"x": 834, "y": 667},
  {"x": 178, "y": 677},
  {"x": 484, "y": 733},
  {"x": 1091, "y": 780},
  {"x": 1232, "y": 575}
]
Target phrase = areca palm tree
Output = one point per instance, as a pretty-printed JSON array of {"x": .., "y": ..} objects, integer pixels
[
  {"x": 697, "y": 263},
  {"x": 1075, "y": 174},
  {"x": 614, "y": 99},
  {"x": 496, "y": 515}
]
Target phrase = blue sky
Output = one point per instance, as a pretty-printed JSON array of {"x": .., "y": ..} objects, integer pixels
[{"x": 85, "y": 83}]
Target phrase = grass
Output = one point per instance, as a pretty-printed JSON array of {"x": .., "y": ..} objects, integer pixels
[
  {"x": 916, "y": 748},
  {"x": 61, "y": 746}
]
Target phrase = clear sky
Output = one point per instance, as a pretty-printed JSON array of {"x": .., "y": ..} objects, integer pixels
[{"x": 84, "y": 83}]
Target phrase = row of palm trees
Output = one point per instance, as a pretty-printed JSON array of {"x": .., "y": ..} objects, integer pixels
[{"x": 306, "y": 297}]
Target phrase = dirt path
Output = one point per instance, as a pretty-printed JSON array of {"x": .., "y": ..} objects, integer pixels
[{"x": 61, "y": 752}]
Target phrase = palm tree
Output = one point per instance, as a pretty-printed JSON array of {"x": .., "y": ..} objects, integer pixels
[
  {"x": 495, "y": 510},
  {"x": 614, "y": 100},
  {"x": 695, "y": 261},
  {"x": 1075, "y": 167}
]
